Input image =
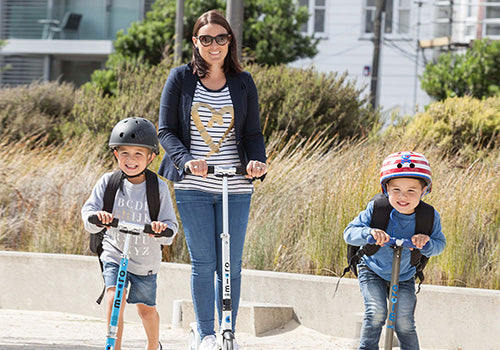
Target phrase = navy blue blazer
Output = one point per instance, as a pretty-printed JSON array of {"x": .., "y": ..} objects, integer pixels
[{"x": 175, "y": 116}]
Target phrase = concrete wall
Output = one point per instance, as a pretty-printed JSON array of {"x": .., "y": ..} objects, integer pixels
[{"x": 447, "y": 317}]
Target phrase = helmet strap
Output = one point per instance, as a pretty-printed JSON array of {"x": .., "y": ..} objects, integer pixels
[{"x": 125, "y": 176}]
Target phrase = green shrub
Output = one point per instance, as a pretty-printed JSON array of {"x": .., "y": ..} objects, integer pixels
[
  {"x": 295, "y": 100},
  {"x": 138, "y": 92},
  {"x": 475, "y": 73},
  {"x": 39, "y": 109},
  {"x": 305, "y": 101},
  {"x": 459, "y": 126}
]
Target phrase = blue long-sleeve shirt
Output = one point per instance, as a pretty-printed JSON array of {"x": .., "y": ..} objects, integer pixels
[{"x": 400, "y": 226}]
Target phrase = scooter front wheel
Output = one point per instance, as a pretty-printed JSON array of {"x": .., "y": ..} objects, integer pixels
[
  {"x": 192, "y": 341},
  {"x": 227, "y": 344}
]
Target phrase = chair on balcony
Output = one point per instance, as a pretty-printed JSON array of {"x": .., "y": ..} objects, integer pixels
[{"x": 69, "y": 24}]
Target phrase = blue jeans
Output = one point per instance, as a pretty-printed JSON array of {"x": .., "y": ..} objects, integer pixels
[
  {"x": 201, "y": 216},
  {"x": 375, "y": 292}
]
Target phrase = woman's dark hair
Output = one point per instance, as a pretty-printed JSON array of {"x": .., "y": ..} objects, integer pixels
[{"x": 231, "y": 62}]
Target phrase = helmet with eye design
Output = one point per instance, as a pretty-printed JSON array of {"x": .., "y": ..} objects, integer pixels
[{"x": 405, "y": 164}]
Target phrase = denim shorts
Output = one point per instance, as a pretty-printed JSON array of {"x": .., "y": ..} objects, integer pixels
[{"x": 142, "y": 288}]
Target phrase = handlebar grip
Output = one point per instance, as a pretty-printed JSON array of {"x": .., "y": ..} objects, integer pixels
[
  {"x": 93, "y": 219},
  {"x": 393, "y": 241},
  {"x": 165, "y": 233}
]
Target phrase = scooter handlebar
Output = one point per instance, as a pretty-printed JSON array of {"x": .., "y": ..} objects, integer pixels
[
  {"x": 393, "y": 241},
  {"x": 222, "y": 170},
  {"x": 130, "y": 228}
]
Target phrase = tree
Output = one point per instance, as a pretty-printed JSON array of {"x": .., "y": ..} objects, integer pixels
[
  {"x": 271, "y": 32},
  {"x": 475, "y": 73}
]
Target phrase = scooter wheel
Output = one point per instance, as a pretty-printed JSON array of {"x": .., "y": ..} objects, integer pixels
[
  {"x": 192, "y": 341},
  {"x": 227, "y": 344}
]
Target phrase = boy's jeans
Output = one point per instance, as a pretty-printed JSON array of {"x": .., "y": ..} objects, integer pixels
[
  {"x": 201, "y": 216},
  {"x": 375, "y": 292}
]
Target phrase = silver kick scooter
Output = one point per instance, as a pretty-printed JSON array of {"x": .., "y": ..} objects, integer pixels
[{"x": 226, "y": 328}]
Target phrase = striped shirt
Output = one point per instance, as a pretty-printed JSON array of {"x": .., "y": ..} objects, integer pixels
[{"x": 213, "y": 139}]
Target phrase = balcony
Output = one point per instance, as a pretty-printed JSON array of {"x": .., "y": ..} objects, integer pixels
[
  {"x": 100, "y": 19},
  {"x": 59, "y": 37}
]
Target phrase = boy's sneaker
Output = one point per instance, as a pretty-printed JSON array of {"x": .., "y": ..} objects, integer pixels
[{"x": 209, "y": 343}]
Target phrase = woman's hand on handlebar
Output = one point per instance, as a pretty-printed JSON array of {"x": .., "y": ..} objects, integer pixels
[
  {"x": 158, "y": 227},
  {"x": 256, "y": 169},
  {"x": 105, "y": 217},
  {"x": 198, "y": 167}
]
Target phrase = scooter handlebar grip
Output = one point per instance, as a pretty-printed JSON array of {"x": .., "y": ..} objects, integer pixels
[
  {"x": 93, "y": 219},
  {"x": 165, "y": 233}
]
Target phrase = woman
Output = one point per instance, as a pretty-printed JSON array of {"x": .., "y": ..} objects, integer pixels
[{"x": 209, "y": 115}]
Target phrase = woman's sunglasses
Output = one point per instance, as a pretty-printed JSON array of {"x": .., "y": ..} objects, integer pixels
[{"x": 207, "y": 40}]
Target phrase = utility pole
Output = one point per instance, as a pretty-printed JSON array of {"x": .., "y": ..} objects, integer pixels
[
  {"x": 451, "y": 26},
  {"x": 179, "y": 31},
  {"x": 415, "y": 88},
  {"x": 378, "y": 30},
  {"x": 234, "y": 14}
]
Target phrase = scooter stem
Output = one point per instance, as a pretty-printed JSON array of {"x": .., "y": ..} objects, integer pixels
[
  {"x": 393, "y": 298},
  {"x": 226, "y": 324}
]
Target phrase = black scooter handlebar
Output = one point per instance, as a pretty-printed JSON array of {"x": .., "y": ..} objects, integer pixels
[
  {"x": 222, "y": 170},
  {"x": 131, "y": 228}
]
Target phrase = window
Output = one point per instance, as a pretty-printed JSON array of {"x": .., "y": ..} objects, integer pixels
[
  {"x": 317, "y": 17},
  {"x": 404, "y": 16},
  {"x": 397, "y": 16},
  {"x": 471, "y": 20},
  {"x": 492, "y": 19},
  {"x": 443, "y": 16}
]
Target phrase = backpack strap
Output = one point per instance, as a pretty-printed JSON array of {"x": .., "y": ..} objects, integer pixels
[
  {"x": 424, "y": 222},
  {"x": 153, "y": 194},
  {"x": 115, "y": 182},
  {"x": 380, "y": 219}
]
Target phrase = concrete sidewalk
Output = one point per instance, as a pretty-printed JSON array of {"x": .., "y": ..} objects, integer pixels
[{"x": 46, "y": 330}]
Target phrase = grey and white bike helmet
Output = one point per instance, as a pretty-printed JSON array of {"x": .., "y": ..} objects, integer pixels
[{"x": 135, "y": 131}]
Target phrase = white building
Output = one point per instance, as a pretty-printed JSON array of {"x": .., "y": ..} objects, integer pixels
[{"x": 346, "y": 31}]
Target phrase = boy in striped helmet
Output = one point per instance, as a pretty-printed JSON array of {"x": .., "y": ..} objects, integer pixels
[{"x": 405, "y": 178}]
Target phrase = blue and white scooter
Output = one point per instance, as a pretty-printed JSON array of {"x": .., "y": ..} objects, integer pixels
[
  {"x": 226, "y": 328},
  {"x": 128, "y": 229},
  {"x": 397, "y": 244}
]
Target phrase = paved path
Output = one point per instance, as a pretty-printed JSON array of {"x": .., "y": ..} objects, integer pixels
[{"x": 42, "y": 330}]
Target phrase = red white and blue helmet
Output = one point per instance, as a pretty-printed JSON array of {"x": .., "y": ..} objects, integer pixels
[{"x": 405, "y": 164}]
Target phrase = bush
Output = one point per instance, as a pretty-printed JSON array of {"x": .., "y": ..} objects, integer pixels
[
  {"x": 459, "y": 126},
  {"x": 306, "y": 101},
  {"x": 39, "y": 109},
  {"x": 295, "y": 100},
  {"x": 475, "y": 73},
  {"x": 138, "y": 90}
]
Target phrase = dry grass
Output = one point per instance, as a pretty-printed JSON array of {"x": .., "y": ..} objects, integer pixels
[
  {"x": 42, "y": 192},
  {"x": 314, "y": 188},
  {"x": 313, "y": 191}
]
